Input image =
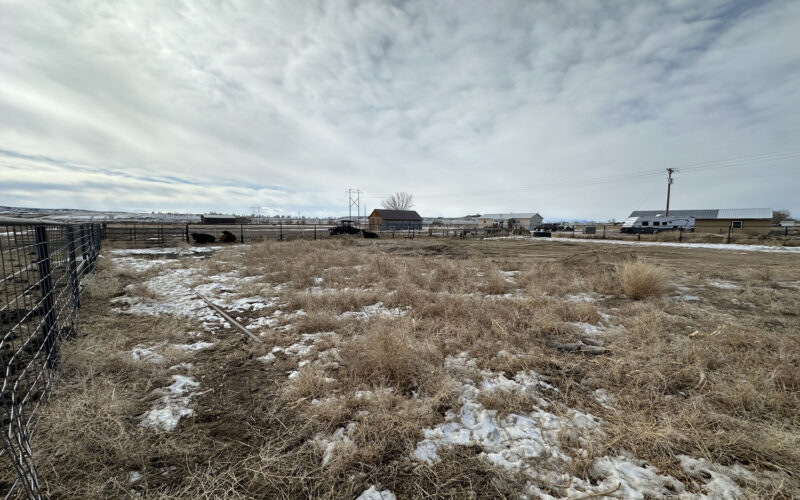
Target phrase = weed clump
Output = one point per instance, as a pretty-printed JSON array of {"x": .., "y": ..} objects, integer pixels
[{"x": 641, "y": 280}]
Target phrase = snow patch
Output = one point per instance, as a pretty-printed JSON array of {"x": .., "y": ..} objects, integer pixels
[
  {"x": 530, "y": 443},
  {"x": 148, "y": 354},
  {"x": 193, "y": 347},
  {"x": 328, "y": 444},
  {"x": 377, "y": 309},
  {"x": 725, "y": 285},
  {"x": 173, "y": 405},
  {"x": 372, "y": 493},
  {"x": 582, "y": 297},
  {"x": 589, "y": 328},
  {"x": 164, "y": 251}
]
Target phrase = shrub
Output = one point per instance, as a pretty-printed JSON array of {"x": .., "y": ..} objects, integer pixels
[{"x": 640, "y": 280}]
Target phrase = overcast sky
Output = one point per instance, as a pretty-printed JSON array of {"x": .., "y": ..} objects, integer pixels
[{"x": 571, "y": 109}]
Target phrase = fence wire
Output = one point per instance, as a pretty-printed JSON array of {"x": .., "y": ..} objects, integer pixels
[{"x": 42, "y": 271}]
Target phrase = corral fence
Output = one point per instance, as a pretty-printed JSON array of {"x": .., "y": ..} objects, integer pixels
[
  {"x": 151, "y": 234},
  {"x": 42, "y": 271},
  {"x": 162, "y": 234}
]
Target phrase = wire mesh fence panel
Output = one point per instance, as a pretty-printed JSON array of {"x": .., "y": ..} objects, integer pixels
[{"x": 42, "y": 271}]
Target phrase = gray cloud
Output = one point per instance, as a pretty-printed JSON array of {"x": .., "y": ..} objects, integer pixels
[{"x": 470, "y": 105}]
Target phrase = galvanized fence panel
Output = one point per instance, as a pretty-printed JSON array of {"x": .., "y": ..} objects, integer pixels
[{"x": 42, "y": 270}]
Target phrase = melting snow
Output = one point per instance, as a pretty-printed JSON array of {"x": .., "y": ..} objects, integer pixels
[
  {"x": 582, "y": 297},
  {"x": 173, "y": 404},
  {"x": 589, "y": 328},
  {"x": 329, "y": 444},
  {"x": 509, "y": 275},
  {"x": 517, "y": 441},
  {"x": 149, "y": 354},
  {"x": 268, "y": 358},
  {"x": 163, "y": 251},
  {"x": 725, "y": 285},
  {"x": 138, "y": 265},
  {"x": 377, "y": 309},
  {"x": 192, "y": 347},
  {"x": 372, "y": 493}
]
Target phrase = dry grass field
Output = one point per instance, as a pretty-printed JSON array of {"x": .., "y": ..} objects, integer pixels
[{"x": 444, "y": 369}]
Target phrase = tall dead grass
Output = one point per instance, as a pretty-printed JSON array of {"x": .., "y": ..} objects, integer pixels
[
  {"x": 389, "y": 353},
  {"x": 641, "y": 280}
]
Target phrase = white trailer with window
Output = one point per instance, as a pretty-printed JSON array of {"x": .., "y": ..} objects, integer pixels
[{"x": 657, "y": 224}]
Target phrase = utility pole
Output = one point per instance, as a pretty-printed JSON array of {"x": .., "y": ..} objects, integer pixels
[
  {"x": 670, "y": 171},
  {"x": 354, "y": 200}
]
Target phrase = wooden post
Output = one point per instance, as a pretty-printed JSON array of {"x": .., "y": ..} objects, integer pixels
[
  {"x": 187, "y": 233},
  {"x": 315, "y": 232},
  {"x": 241, "y": 233},
  {"x": 280, "y": 226},
  {"x": 729, "y": 233},
  {"x": 604, "y": 231}
]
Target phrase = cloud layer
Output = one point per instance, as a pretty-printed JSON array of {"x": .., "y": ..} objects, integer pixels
[{"x": 570, "y": 109}]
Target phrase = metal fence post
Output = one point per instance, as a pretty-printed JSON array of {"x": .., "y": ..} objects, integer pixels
[
  {"x": 729, "y": 234},
  {"x": 187, "y": 233},
  {"x": 46, "y": 289},
  {"x": 241, "y": 233},
  {"x": 73, "y": 268},
  {"x": 315, "y": 231},
  {"x": 280, "y": 227}
]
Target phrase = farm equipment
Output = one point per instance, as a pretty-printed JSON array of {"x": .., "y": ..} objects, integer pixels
[{"x": 346, "y": 227}]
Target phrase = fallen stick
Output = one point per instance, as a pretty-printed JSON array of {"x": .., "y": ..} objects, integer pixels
[{"x": 230, "y": 320}]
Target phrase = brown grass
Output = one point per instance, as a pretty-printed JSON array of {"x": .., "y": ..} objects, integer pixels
[
  {"x": 714, "y": 378},
  {"x": 641, "y": 280},
  {"x": 389, "y": 353}
]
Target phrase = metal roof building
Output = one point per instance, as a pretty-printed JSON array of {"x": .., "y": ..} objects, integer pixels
[
  {"x": 721, "y": 220},
  {"x": 711, "y": 213},
  {"x": 217, "y": 219}
]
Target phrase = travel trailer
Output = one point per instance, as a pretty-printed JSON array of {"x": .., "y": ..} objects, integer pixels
[{"x": 657, "y": 223}]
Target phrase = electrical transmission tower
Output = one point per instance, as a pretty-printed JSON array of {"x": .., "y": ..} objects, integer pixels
[
  {"x": 354, "y": 200},
  {"x": 670, "y": 180}
]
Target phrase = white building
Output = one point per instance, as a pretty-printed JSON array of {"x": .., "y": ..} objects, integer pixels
[{"x": 513, "y": 220}]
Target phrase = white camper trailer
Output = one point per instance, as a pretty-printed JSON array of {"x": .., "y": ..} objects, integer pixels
[{"x": 657, "y": 223}]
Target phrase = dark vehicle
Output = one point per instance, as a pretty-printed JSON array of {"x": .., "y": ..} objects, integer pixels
[
  {"x": 554, "y": 226},
  {"x": 344, "y": 227}
]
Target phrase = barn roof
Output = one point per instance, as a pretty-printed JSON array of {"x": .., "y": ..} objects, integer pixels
[
  {"x": 711, "y": 213},
  {"x": 397, "y": 214}
]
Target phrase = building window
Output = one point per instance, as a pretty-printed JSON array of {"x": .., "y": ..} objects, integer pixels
[
  {"x": 656, "y": 223},
  {"x": 737, "y": 224},
  {"x": 645, "y": 223}
]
